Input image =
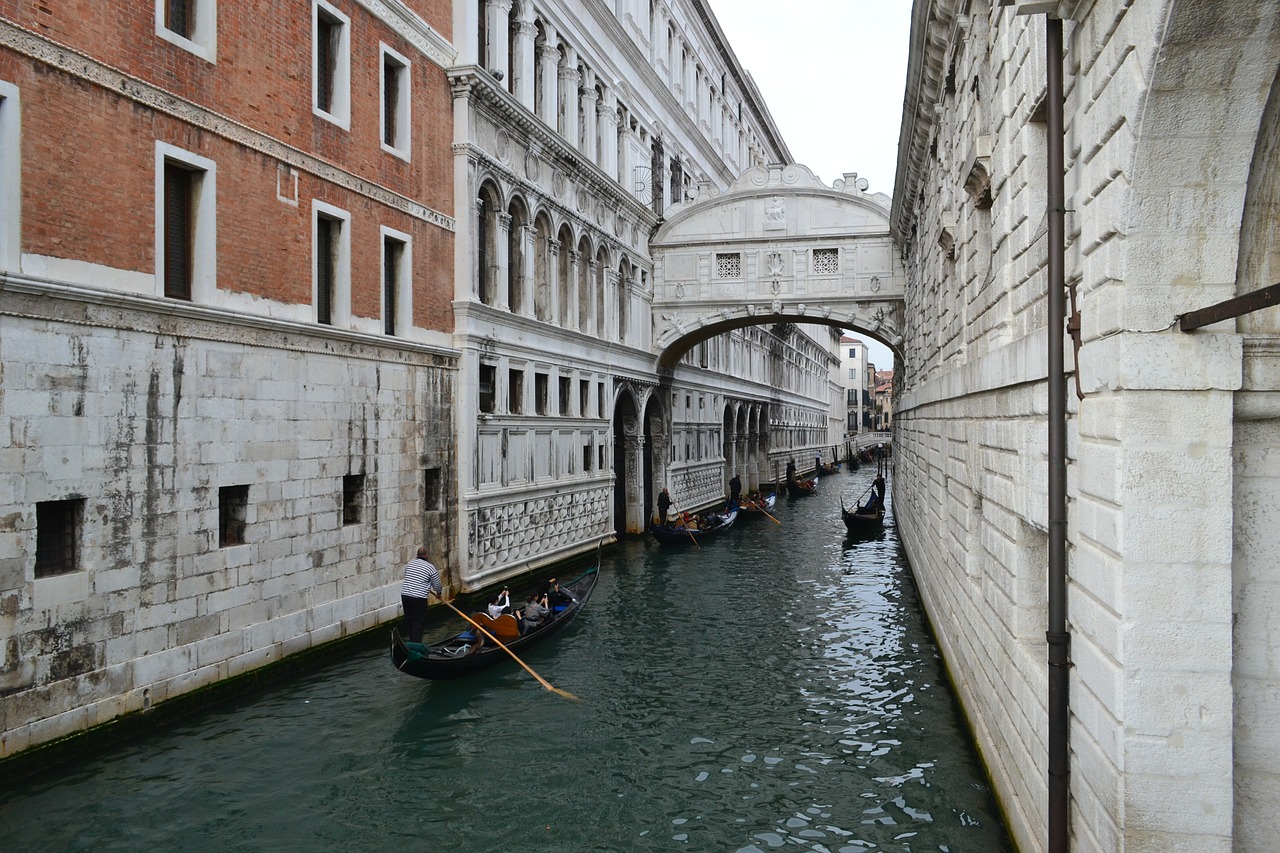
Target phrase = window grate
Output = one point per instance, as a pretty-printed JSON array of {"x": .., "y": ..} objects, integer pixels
[
  {"x": 233, "y": 512},
  {"x": 728, "y": 265},
  {"x": 826, "y": 261},
  {"x": 58, "y": 536}
]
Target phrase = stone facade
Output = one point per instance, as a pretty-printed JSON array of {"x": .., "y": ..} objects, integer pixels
[
  {"x": 1172, "y": 205},
  {"x": 578, "y": 126},
  {"x": 225, "y": 328}
]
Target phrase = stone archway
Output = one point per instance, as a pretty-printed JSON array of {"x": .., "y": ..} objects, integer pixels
[{"x": 778, "y": 246}]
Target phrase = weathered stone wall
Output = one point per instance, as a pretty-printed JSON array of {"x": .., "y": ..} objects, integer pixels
[
  {"x": 144, "y": 417},
  {"x": 1167, "y": 485}
]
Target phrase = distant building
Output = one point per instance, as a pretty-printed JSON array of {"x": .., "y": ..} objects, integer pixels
[{"x": 856, "y": 374}]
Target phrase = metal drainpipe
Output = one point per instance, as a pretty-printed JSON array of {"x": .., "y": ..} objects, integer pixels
[{"x": 1058, "y": 639}]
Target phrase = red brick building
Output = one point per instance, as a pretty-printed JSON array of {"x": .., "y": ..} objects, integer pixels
[{"x": 226, "y": 253}]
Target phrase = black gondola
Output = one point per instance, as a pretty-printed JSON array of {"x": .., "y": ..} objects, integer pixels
[
  {"x": 862, "y": 523},
  {"x": 716, "y": 522},
  {"x": 464, "y": 653}
]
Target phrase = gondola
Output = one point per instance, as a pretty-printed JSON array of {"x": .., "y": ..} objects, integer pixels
[
  {"x": 717, "y": 522},
  {"x": 463, "y": 653},
  {"x": 860, "y": 523},
  {"x": 802, "y": 488},
  {"x": 757, "y": 508}
]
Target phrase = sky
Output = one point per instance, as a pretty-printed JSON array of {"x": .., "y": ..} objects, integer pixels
[{"x": 832, "y": 73}]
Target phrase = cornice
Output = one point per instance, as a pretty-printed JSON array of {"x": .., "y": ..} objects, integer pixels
[
  {"x": 933, "y": 25},
  {"x": 406, "y": 23},
  {"x": 90, "y": 70},
  {"x": 157, "y": 315}
]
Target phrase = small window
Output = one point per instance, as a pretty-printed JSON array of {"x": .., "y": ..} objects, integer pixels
[
  {"x": 331, "y": 64},
  {"x": 728, "y": 265},
  {"x": 600, "y": 401},
  {"x": 233, "y": 513},
  {"x": 58, "y": 536},
  {"x": 395, "y": 103},
  {"x": 564, "y": 396},
  {"x": 541, "y": 383},
  {"x": 586, "y": 457},
  {"x": 432, "y": 500},
  {"x": 584, "y": 398},
  {"x": 352, "y": 498},
  {"x": 488, "y": 392},
  {"x": 826, "y": 261},
  {"x": 515, "y": 392},
  {"x": 190, "y": 24}
]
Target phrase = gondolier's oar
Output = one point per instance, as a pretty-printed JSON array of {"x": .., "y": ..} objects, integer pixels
[{"x": 565, "y": 693}]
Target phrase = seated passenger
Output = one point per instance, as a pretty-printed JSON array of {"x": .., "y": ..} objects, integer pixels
[
  {"x": 535, "y": 613},
  {"x": 557, "y": 597},
  {"x": 500, "y": 604}
]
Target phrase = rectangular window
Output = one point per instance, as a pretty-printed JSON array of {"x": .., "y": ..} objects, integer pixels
[
  {"x": 432, "y": 500},
  {"x": 564, "y": 395},
  {"x": 326, "y": 258},
  {"x": 396, "y": 288},
  {"x": 332, "y": 266},
  {"x": 58, "y": 536},
  {"x": 728, "y": 265},
  {"x": 189, "y": 24},
  {"x": 186, "y": 224},
  {"x": 10, "y": 177},
  {"x": 395, "y": 103},
  {"x": 352, "y": 498},
  {"x": 331, "y": 64},
  {"x": 179, "y": 223},
  {"x": 600, "y": 400},
  {"x": 540, "y": 391},
  {"x": 584, "y": 396},
  {"x": 488, "y": 393},
  {"x": 586, "y": 457},
  {"x": 826, "y": 261},
  {"x": 233, "y": 513},
  {"x": 515, "y": 392}
]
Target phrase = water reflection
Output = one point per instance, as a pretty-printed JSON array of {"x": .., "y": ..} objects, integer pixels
[{"x": 777, "y": 687}]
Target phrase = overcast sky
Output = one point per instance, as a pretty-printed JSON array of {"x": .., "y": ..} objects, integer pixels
[{"x": 832, "y": 73}]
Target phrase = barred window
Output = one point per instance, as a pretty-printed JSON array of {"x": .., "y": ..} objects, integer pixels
[
  {"x": 826, "y": 261},
  {"x": 728, "y": 265},
  {"x": 352, "y": 498},
  {"x": 58, "y": 536},
  {"x": 233, "y": 513}
]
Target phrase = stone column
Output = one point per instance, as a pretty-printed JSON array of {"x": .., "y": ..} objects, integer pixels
[
  {"x": 637, "y": 514},
  {"x": 589, "y": 119},
  {"x": 553, "y": 279},
  {"x": 548, "y": 103},
  {"x": 575, "y": 261},
  {"x": 592, "y": 322},
  {"x": 569, "y": 81},
  {"x": 529, "y": 255},
  {"x": 502, "y": 256},
  {"x": 496, "y": 15},
  {"x": 523, "y": 57},
  {"x": 607, "y": 124}
]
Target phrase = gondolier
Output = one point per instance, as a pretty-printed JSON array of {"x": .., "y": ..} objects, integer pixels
[{"x": 421, "y": 579}]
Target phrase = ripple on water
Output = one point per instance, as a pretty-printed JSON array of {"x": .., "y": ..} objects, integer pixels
[{"x": 777, "y": 688}]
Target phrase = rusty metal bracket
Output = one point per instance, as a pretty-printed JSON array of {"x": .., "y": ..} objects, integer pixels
[{"x": 1246, "y": 304}]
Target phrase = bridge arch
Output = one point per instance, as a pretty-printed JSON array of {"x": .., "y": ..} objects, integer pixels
[{"x": 778, "y": 246}]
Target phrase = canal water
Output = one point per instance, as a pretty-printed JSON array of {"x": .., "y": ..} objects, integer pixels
[{"x": 776, "y": 687}]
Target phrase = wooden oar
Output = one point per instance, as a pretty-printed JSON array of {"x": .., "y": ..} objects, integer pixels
[{"x": 565, "y": 693}]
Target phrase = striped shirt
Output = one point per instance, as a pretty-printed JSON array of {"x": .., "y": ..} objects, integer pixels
[{"x": 419, "y": 577}]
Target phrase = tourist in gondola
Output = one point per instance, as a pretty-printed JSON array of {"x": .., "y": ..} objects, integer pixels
[
  {"x": 535, "y": 611},
  {"x": 501, "y": 603}
]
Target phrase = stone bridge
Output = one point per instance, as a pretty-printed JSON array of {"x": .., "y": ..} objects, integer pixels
[{"x": 777, "y": 246}]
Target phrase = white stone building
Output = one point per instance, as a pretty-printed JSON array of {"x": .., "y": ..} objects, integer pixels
[
  {"x": 1172, "y": 200},
  {"x": 578, "y": 125},
  {"x": 857, "y": 375}
]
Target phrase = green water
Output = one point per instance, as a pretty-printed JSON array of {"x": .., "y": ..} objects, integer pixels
[{"x": 775, "y": 688}]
